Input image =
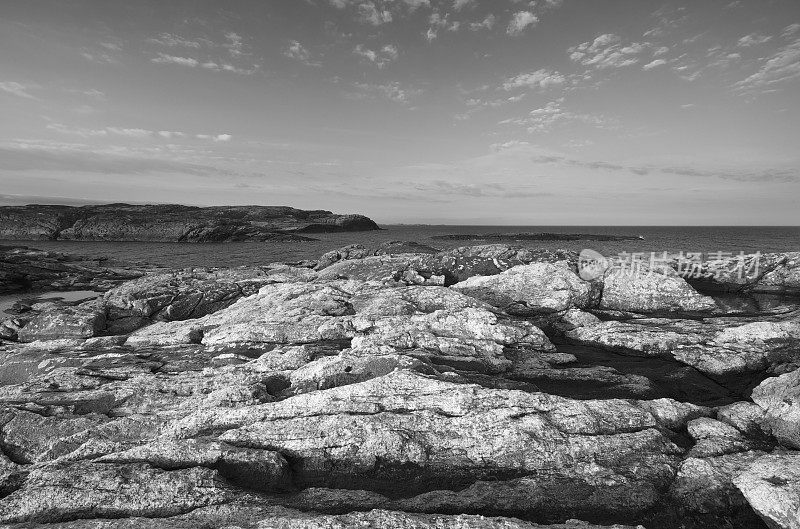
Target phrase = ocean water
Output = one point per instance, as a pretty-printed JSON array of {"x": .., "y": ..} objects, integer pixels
[{"x": 706, "y": 239}]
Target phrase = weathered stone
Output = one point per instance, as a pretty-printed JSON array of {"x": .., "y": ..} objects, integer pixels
[
  {"x": 772, "y": 487},
  {"x": 56, "y": 494},
  {"x": 705, "y": 485},
  {"x": 530, "y": 289},
  {"x": 184, "y": 295},
  {"x": 251, "y": 468},
  {"x": 27, "y": 269},
  {"x": 82, "y": 321},
  {"x": 779, "y": 398},
  {"x": 462, "y": 432},
  {"x": 716, "y": 348},
  {"x": 490, "y": 259},
  {"x": 380, "y": 519},
  {"x": 650, "y": 292},
  {"x": 715, "y": 438}
]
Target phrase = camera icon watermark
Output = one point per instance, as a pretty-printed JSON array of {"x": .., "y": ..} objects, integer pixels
[{"x": 592, "y": 265}]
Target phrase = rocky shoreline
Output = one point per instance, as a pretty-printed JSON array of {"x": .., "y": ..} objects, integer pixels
[
  {"x": 401, "y": 386},
  {"x": 172, "y": 223}
]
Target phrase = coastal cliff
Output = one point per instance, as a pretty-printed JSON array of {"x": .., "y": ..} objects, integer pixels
[{"x": 172, "y": 223}]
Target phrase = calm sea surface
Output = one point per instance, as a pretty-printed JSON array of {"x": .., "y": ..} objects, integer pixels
[{"x": 733, "y": 239}]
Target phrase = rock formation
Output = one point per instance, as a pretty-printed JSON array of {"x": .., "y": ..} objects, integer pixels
[
  {"x": 171, "y": 223},
  {"x": 482, "y": 387}
]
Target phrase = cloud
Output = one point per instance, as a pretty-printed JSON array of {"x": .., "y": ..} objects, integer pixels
[
  {"x": 98, "y": 57},
  {"x": 21, "y": 156},
  {"x": 553, "y": 114},
  {"x": 753, "y": 39},
  {"x": 393, "y": 91},
  {"x": 724, "y": 173},
  {"x": 790, "y": 30},
  {"x": 654, "y": 64},
  {"x": 381, "y": 57},
  {"x": 298, "y": 52},
  {"x": 130, "y": 133},
  {"x": 135, "y": 133},
  {"x": 486, "y": 23},
  {"x": 163, "y": 58},
  {"x": 17, "y": 89},
  {"x": 190, "y": 62},
  {"x": 438, "y": 22},
  {"x": 520, "y": 21},
  {"x": 369, "y": 13},
  {"x": 172, "y": 41},
  {"x": 607, "y": 51},
  {"x": 783, "y": 65},
  {"x": 508, "y": 145},
  {"x": 458, "y": 5},
  {"x": 214, "y": 137},
  {"x": 233, "y": 44},
  {"x": 444, "y": 188},
  {"x": 541, "y": 79}
]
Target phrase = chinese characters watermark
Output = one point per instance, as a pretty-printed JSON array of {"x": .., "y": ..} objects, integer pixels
[{"x": 691, "y": 265}]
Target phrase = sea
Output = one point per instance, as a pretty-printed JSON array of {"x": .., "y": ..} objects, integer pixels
[{"x": 709, "y": 240}]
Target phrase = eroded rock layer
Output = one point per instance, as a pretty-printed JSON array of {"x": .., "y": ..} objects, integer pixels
[{"x": 482, "y": 387}]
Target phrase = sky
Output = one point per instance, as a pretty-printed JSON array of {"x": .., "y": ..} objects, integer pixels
[{"x": 561, "y": 112}]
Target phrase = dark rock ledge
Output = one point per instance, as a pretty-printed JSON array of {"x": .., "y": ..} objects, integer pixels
[
  {"x": 482, "y": 387},
  {"x": 172, "y": 223}
]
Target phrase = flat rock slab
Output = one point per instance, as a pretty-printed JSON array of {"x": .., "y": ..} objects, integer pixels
[{"x": 772, "y": 487}]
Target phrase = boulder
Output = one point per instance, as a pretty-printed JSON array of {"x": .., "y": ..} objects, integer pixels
[
  {"x": 706, "y": 485},
  {"x": 779, "y": 399},
  {"x": 188, "y": 294},
  {"x": 771, "y": 485},
  {"x": 525, "y": 290},
  {"x": 648, "y": 291},
  {"x": 82, "y": 321}
]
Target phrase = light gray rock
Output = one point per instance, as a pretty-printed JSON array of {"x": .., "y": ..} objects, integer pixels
[
  {"x": 82, "y": 321},
  {"x": 530, "y": 289},
  {"x": 772, "y": 487},
  {"x": 779, "y": 398},
  {"x": 648, "y": 292},
  {"x": 706, "y": 484},
  {"x": 55, "y": 494},
  {"x": 716, "y": 438},
  {"x": 456, "y": 432}
]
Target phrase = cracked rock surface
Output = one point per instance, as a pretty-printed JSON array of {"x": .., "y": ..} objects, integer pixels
[{"x": 361, "y": 391}]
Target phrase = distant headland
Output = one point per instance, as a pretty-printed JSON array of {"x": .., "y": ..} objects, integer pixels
[{"x": 172, "y": 223}]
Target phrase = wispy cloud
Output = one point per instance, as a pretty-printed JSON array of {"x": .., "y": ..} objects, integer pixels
[
  {"x": 753, "y": 39},
  {"x": 554, "y": 114},
  {"x": 135, "y": 133},
  {"x": 59, "y": 157},
  {"x": 725, "y": 173},
  {"x": 608, "y": 51},
  {"x": 17, "y": 89},
  {"x": 541, "y": 79},
  {"x": 300, "y": 53},
  {"x": 163, "y": 58},
  {"x": 379, "y": 58},
  {"x": 172, "y": 41},
  {"x": 393, "y": 91},
  {"x": 654, "y": 64},
  {"x": 776, "y": 69},
  {"x": 486, "y": 23}
]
